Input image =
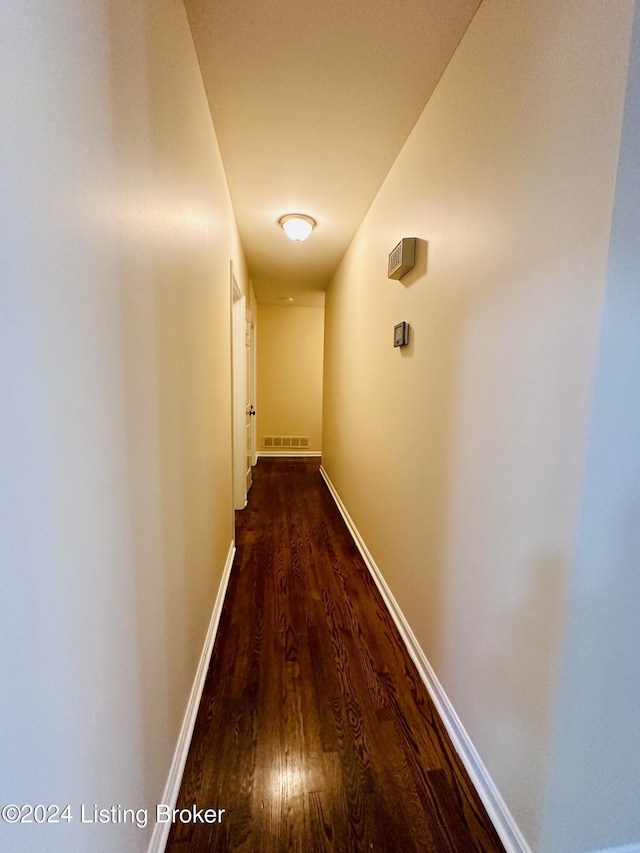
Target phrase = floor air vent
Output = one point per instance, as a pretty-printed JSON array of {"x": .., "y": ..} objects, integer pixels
[{"x": 285, "y": 442}]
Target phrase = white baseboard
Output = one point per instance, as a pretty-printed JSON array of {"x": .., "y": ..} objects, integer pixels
[
  {"x": 501, "y": 817},
  {"x": 160, "y": 834},
  {"x": 289, "y": 452}
]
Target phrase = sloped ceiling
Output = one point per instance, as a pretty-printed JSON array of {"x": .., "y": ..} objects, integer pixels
[{"x": 312, "y": 101}]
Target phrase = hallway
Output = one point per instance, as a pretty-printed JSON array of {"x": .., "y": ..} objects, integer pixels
[
  {"x": 488, "y": 469},
  {"x": 314, "y": 730}
]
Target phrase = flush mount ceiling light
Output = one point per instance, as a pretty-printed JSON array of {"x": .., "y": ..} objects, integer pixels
[{"x": 297, "y": 226}]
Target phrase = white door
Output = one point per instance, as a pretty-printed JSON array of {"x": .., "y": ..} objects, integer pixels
[
  {"x": 249, "y": 410},
  {"x": 253, "y": 392}
]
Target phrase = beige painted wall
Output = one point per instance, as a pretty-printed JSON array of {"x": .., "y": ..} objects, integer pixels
[
  {"x": 117, "y": 232},
  {"x": 591, "y": 800},
  {"x": 460, "y": 458},
  {"x": 290, "y": 358}
]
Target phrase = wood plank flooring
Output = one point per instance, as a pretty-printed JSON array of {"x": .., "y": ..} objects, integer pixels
[{"x": 315, "y": 733}]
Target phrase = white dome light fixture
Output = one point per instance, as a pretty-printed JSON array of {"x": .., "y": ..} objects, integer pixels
[{"x": 297, "y": 226}]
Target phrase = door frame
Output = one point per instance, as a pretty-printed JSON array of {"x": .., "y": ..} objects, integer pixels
[{"x": 238, "y": 392}]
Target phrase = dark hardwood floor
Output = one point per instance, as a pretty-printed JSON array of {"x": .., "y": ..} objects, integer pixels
[{"x": 315, "y": 732}]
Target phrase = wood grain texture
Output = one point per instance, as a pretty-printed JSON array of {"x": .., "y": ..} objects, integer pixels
[{"x": 314, "y": 731}]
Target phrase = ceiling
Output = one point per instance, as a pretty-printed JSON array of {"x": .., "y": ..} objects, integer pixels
[{"x": 312, "y": 101}]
